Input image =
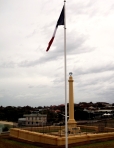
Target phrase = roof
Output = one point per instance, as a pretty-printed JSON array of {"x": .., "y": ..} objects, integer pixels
[
  {"x": 34, "y": 115},
  {"x": 22, "y": 119},
  {"x": 105, "y": 110},
  {"x": 107, "y": 114}
]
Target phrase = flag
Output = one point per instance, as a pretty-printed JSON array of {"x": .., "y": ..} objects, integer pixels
[{"x": 59, "y": 22}]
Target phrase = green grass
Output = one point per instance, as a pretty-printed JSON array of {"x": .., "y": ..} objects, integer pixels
[
  {"x": 106, "y": 144},
  {"x": 87, "y": 130},
  {"x": 9, "y": 143},
  {"x": 48, "y": 131},
  {"x": 1, "y": 125}
]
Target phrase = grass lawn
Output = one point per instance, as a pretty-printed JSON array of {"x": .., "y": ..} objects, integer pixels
[
  {"x": 8, "y": 143},
  {"x": 106, "y": 144}
]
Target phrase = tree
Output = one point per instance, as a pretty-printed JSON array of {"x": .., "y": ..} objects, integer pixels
[{"x": 5, "y": 129}]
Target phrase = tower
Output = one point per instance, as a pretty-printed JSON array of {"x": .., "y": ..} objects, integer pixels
[{"x": 71, "y": 122}]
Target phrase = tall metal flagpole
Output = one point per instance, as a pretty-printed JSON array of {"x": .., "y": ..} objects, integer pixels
[{"x": 65, "y": 71}]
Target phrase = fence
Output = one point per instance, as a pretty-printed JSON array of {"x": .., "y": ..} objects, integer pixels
[{"x": 86, "y": 127}]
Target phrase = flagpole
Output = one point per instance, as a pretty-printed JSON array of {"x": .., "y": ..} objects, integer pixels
[{"x": 65, "y": 72}]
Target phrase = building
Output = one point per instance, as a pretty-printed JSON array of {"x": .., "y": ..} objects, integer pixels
[
  {"x": 33, "y": 119},
  {"x": 21, "y": 121}
]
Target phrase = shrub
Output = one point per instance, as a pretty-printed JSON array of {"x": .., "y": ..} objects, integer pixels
[{"x": 5, "y": 129}]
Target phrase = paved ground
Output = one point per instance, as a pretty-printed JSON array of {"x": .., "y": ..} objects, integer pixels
[{"x": 5, "y": 122}]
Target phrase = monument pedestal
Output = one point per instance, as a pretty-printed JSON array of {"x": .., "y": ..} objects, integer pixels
[
  {"x": 72, "y": 127},
  {"x": 72, "y": 123}
]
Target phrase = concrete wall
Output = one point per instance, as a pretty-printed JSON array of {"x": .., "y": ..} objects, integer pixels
[
  {"x": 56, "y": 140},
  {"x": 33, "y": 136},
  {"x": 108, "y": 129},
  {"x": 44, "y": 128},
  {"x": 95, "y": 128}
]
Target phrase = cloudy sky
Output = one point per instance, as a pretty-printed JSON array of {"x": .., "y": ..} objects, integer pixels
[{"x": 31, "y": 76}]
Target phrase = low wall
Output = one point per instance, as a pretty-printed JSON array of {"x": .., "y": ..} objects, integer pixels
[
  {"x": 108, "y": 129},
  {"x": 33, "y": 136},
  {"x": 48, "y": 128},
  {"x": 95, "y": 128},
  {"x": 56, "y": 140}
]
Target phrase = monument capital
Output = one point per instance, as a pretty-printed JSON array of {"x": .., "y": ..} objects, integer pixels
[{"x": 70, "y": 77}]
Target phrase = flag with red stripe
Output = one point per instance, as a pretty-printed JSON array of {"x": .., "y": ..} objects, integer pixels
[{"x": 59, "y": 22}]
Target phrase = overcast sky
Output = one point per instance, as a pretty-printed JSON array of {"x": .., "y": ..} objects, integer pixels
[{"x": 31, "y": 76}]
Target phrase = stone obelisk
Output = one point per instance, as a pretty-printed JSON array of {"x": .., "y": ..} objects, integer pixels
[{"x": 71, "y": 122}]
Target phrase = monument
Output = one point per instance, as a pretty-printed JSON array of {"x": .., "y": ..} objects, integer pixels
[
  {"x": 58, "y": 138},
  {"x": 72, "y": 124}
]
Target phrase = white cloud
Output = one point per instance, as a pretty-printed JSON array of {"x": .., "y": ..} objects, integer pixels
[{"x": 31, "y": 76}]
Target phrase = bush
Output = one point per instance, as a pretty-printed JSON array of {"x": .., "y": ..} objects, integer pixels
[{"x": 5, "y": 129}]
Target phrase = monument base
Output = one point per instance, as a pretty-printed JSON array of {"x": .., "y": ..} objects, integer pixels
[
  {"x": 72, "y": 121},
  {"x": 72, "y": 127}
]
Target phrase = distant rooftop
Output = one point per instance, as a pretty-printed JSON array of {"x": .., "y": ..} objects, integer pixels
[
  {"x": 34, "y": 115},
  {"x": 22, "y": 119}
]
